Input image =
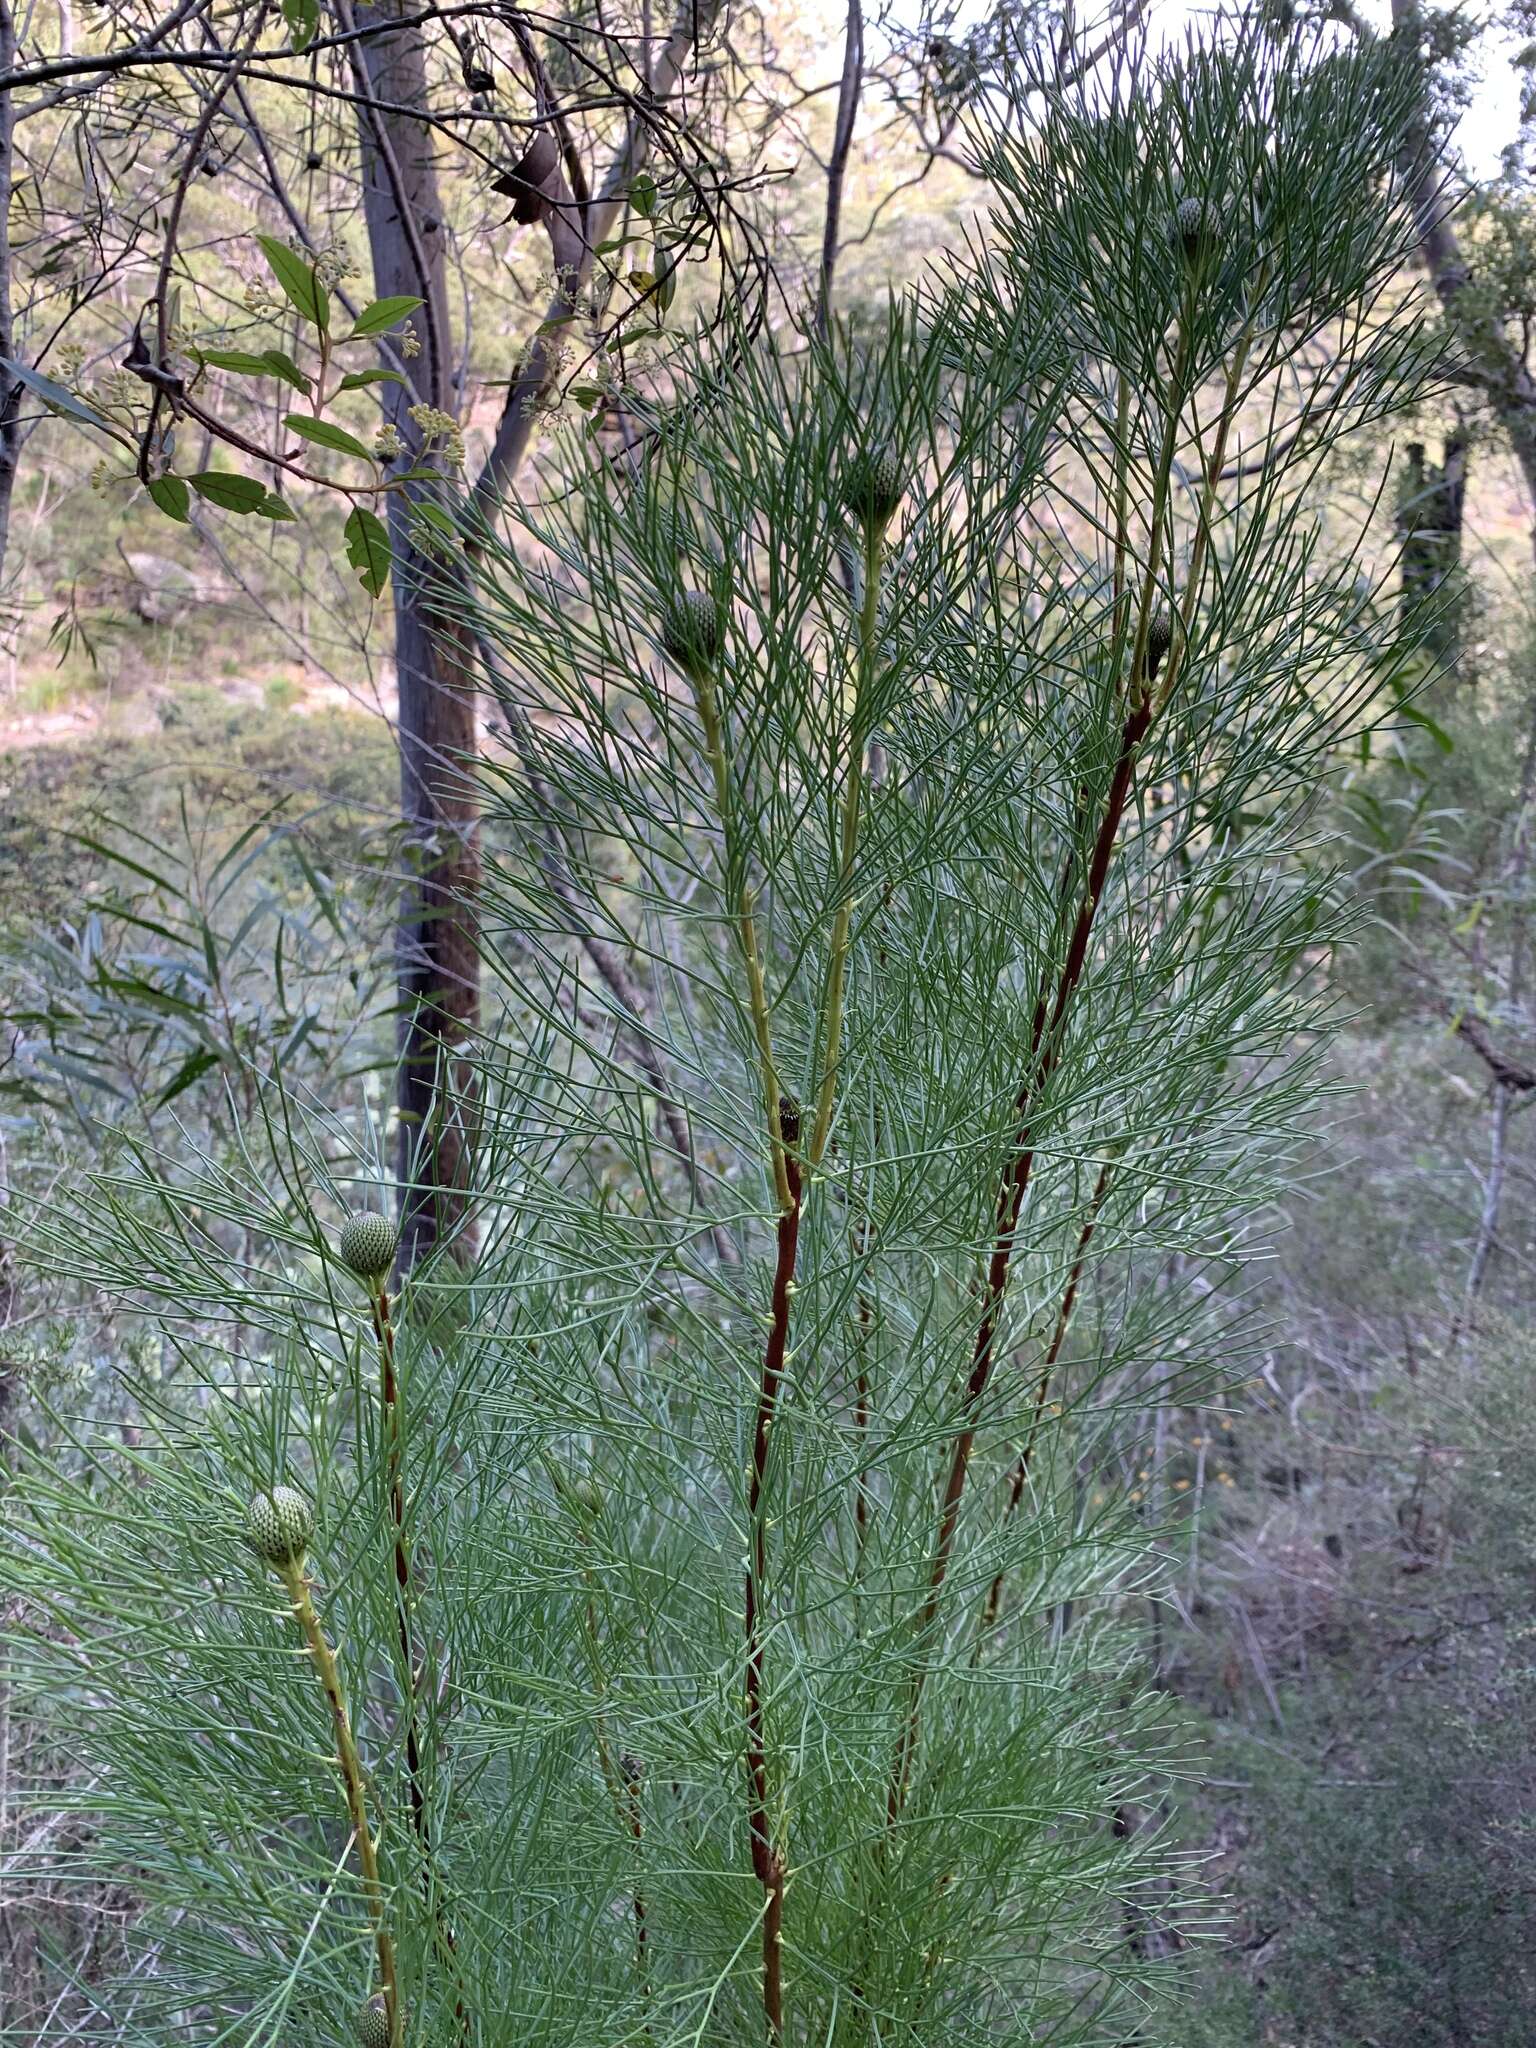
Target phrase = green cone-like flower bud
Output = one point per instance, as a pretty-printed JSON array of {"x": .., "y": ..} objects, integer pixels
[
  {"x": 367, "y": 1244},
  {"x": 1197, "y": 229},
  {"x": 280, "y": 1525},
  {"x": 586, "y": 1493},
  {"x": 1159, "y": 639},
  {"x": 874, "y": 487},
  {"x": 373, "y": 2023},
  {"x": 691, "y": 630}
]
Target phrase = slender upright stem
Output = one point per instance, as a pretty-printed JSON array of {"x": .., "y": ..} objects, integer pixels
[
  {"x": 394, "y": 1470},
  {"x": 744, "y": 920},
  {"x": 632, "y": 1770},
  {"x": 1122, "y": 468},
  {"x": 1051, "y": 1008},
  {"x": 783, "y": 1119},
  {"x": 853, "y": 793},
  {"x": 767, "y": 1862},
  {"x": 1044, "y": 1051},
  {"x": 353, "y": 1785}
]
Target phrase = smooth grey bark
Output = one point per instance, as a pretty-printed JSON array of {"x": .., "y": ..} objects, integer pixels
[
  {"x": 437, "y": 937},
  {"x": 438, "y": 934},
  {"x": 837, "y": 166}
]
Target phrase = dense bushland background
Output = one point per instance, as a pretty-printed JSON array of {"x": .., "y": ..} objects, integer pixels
[{"x": 203, "y": 843}]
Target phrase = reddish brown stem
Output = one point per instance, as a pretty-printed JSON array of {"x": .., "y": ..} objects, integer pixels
[
  {"x": 1042, "y": 1390},
  {"x": 1040, "y": 1065},
  {"x": 767, "y": 1864},
  {"x": 632, "y": 1772}
]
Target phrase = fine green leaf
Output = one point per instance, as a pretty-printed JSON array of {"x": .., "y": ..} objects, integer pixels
[
  {"x": 358, "y": 380},
  {"x": 303, "y": 289}
]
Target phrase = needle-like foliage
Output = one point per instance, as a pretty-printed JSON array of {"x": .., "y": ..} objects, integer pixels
[{"x": 720, "y": 1608}]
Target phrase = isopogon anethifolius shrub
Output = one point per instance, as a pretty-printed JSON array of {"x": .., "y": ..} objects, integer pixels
[{"x": 897, "y": 870}]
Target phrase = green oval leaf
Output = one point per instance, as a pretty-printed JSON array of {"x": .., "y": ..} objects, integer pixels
[
  {"x": 382, "y": 315},
  {"x": 355, "y": 380},
  {"x": 271, "y": 362},
  {"x": 239, "y": 360},
  {"x": 235, "y": 493},
  {"x": 286, "y": 368},
  {"x": 367, "y": 548},
  {"x": 326, "y": 434},
  {"x": 302, "y": 287},
  {"x": 303, "y": 18},
  {"x": 170, "y": 493}
]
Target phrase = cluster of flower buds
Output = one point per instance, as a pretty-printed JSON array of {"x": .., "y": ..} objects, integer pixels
[{"x": 441, "y": 427}]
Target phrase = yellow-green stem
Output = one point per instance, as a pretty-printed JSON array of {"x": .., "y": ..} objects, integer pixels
[
  {"x": 831, "y": 1030},
  {"x": 353, "y": 1785},
  {"x": 1218, "y": 455},
  {"x": 745, "y": 919},
  {"x": 1122, "y": 500}
]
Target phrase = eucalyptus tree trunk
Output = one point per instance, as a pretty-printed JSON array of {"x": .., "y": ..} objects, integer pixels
[
  {"x": 438, "y": 960},
  {"x": 10, "y": 398},
  {"x": 1493, "y": 362},
  {"x": 438, "y": 942},
  {"x": 1429, "y": 525}
]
